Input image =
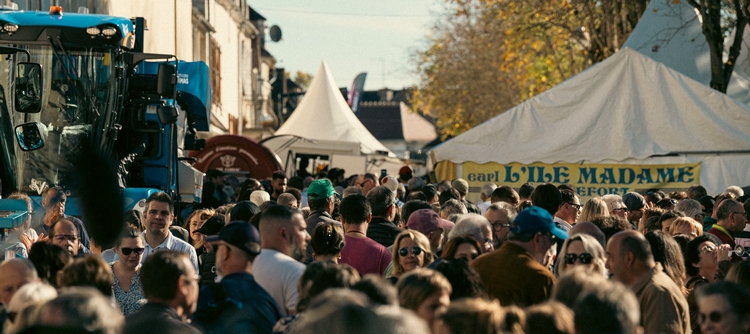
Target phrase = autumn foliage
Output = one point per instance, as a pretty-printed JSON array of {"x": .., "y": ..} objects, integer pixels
[{"x": 485, "y": 56}]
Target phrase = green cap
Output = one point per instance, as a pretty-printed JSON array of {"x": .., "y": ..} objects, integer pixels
[{"x": 320, "y": 189}]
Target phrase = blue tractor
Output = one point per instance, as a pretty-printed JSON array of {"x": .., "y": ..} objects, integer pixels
[{"x": 73, "y": 80}]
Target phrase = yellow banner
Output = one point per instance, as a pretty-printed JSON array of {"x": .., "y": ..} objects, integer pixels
[{"x": 589, "y": 180}]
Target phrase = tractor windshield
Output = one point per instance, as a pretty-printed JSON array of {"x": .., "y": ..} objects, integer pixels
[{"x": 79, "y": 95}]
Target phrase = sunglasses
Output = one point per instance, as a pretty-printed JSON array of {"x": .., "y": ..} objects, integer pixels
[
  {"x": 708, "y": 248},
  {"x": 584, "y": 258},
  {"x": 127, "y": 251},
  {"x": 714, "y": 316},
  {"x": 577, "y": 206},
  {"x": 414, "y": 251}
]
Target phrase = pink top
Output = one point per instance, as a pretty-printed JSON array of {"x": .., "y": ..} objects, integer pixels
[{"x": 365, "y": 255}]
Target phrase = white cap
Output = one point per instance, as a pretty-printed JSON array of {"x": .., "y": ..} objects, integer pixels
[{"x": 391, "y": 182}]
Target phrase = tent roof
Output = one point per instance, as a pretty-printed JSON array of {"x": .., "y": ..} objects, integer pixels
[
  {"x": 627, "y": 106},
  {"x": 395, "y": 121},
  {"x": 324, "y": 114},
  {"x": 671, "y": 33}
]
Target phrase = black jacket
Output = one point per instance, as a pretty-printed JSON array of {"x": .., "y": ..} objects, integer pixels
[{"x": 382, "y": 231}]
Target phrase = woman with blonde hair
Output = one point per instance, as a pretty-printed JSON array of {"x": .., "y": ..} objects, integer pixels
[
  {"x": 594, "y": 208},
  {"x": 25, "y": 305},
  {"x": 581, "y": 250},
  {"x": 686, "y": 226},
  {"x": 411, "y": 250}
]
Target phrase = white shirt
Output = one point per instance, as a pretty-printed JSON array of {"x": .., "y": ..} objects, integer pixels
[
  {"x": 171, "y": 243},
  {"x": 483, "y": 206},
  {"x": 279, "y": 274}
]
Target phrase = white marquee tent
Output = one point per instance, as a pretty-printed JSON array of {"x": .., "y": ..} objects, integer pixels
[
  {"x": 628, "y": 109},
  {"x": 323, "y": 114}
]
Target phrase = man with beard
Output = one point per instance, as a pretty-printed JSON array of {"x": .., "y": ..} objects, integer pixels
[{"x": 284, "y": 238}]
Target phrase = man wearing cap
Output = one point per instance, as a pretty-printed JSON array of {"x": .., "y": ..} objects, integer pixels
[
  {"x": 431, "y": 225},
  {"x": 514, "y": 274},
  {"x": 237, "y": 303},
  {"x": 463, "y": 188},
  {"x": 321, "y": 199},
  {"x": 636, "y": 205},
  {"x": 392, "y": 183},
  {"x": 207, "y": 260},
  {"x": 404, "y": 174}
]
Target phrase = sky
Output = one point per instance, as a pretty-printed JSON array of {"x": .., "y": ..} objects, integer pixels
[{"x": 353, "y": 36}]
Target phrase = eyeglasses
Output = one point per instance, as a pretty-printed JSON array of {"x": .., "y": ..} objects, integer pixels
[
  {"x": 127, "y": 251},
  {"x": 577, "y": 206},
  {"x": 708, "y": 248},
  {"x": 714, "y": 316},
  {"x": 61, "y": 237},
  {"x": 744, "y": 214},
  {"x": 499, "y": 226},
  {"x": 584, "y": 258},
  {"x": 414, "y": 251}
]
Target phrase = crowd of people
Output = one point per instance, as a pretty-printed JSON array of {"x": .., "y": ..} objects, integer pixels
[{"x": 366, "y": 254}]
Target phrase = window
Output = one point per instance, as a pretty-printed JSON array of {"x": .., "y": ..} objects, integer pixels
[{"x": 215, "y": 68}]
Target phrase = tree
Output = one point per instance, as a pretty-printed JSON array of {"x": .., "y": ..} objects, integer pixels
[
  {"x": 303, "y": 79},
  {"x": 717, "y": 18},
  {"x": 485, "y": 56}
]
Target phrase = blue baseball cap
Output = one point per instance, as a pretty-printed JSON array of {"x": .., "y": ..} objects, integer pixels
[{"x": 535, "y": 219}]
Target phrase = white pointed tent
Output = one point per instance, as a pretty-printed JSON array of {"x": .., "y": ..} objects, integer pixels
[
  {"x": 626, "y": 109},
  {"x": 323, "y": 114},
  {"x": 671, "y": 33}
]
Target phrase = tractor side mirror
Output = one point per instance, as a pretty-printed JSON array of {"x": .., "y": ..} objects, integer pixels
[
  {"x": 28, "y": 88},
  {"x": 166, "y": 80},
  {"x": 167, "y": 114},
  {"x": 29, "y": 136}
]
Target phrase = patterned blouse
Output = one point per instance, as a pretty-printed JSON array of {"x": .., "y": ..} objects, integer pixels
[{"x": 132, "y": 300}]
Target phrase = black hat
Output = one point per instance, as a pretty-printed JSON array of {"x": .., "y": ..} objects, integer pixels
[
  {"x": 244, "y": 210},
  {"x": 241, "y": 235},
  {"x": 212, "y": 226}
]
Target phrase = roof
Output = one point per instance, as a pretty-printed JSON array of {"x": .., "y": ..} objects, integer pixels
[
  {"x": 395, "y": 121},
  {"x": 324, "y": 114},
  {"x": 254, "y": 15},
  {"x": 627, "y": 106},
  {"x": 671, "y": 33}
]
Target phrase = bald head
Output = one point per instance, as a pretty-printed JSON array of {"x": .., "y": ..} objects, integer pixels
[
  {"x": 590, "y": 229},
  {"x": 15, "y": 273},
  {"x": 634, "y": 242}
]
